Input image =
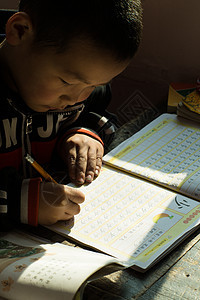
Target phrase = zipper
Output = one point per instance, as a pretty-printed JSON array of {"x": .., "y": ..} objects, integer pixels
[
  {"x": 26, "y": 145},
  {"x": 28, "y": 130},
  {"x": 29, "y": 120}
]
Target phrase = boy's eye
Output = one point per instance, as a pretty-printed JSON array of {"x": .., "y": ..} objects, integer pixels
[{"x": 65, "y": 82}]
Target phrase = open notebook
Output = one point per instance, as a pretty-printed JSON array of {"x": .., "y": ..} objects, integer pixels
[{"x": 145, "y": 200}]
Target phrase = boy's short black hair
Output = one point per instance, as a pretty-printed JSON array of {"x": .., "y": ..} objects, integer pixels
[{"x": 115, "y": 25}]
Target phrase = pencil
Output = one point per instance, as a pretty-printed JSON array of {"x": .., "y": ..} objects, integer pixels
[{"x": 39, "y": 168}]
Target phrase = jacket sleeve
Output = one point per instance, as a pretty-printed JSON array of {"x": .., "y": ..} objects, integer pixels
[
  {"x": 95, "y": 120},
  {"x": 19, "y": 199}
]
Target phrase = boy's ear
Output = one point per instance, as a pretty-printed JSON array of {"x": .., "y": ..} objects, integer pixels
[{"x": 18, "y": 28}]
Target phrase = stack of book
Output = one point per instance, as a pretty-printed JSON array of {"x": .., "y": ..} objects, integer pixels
[
  {"x": 189, "y": 107},
  {"x": 184, "y": 100}
]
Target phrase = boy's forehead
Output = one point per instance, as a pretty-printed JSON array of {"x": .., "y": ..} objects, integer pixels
[
  {"x": 80, "y": 77},
  {"x": 84, "y": 61}
]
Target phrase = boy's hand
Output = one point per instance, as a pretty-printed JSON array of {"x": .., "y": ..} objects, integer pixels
[
  {"x": 58, "y": 202},
  {"x": 83, "y": 157}
]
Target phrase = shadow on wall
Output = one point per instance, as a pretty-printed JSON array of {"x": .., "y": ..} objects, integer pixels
[
  {"x": 136, "y": 93},
  {"x": 10, "y": 4},
  {"x": 169, "y": 52}
]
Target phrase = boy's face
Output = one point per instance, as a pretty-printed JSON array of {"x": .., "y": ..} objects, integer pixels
[{"x": 49, "y": 81}]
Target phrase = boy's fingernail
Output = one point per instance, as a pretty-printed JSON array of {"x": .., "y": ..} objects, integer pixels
[
  {"x": 96, "y": 172},
  {"x": 81, "y": 180},
  {"x": 89, "y": 178},
  {"x": 64, "y": 202}
]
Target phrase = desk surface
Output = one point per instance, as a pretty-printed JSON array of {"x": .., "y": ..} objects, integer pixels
[{"x": 175, "y": 277}]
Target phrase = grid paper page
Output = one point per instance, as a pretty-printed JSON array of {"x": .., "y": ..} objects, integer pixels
[
  {"x": 129, "y": 218},
  {"x": 166, "y": 151}
]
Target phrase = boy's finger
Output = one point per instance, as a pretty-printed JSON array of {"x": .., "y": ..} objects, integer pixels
[
  {"x": 99, "y": 157},
  {"x": 91, "y": 165},
  {"x": 72, "y": 208},
  {"x": 66, "y": 217},
  {"x": 81, "y": 165},
  {"x": 98, "y": 166},
  {"x": 71, "y": 163}
]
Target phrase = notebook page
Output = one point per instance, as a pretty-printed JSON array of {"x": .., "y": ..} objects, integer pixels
[
  {"x": 165, "y": 151},
  {"x": 32, "y": 271},
  {"x": 131, "y": 219}
]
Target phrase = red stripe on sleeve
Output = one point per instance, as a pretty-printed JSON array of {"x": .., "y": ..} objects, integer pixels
[
  {"x": 82, "y": 131},
  {"x": 33, "y": 201}
]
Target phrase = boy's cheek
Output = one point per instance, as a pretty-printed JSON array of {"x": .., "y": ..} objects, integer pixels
[
  {"x": 85, "y": 94},
  {"x": 41, "y": 96}
]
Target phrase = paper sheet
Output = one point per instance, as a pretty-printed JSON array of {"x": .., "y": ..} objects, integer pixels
[{"x": 166, "y": 151}]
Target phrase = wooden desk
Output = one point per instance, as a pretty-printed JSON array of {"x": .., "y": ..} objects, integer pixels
[{"x": 175, "y": 277}]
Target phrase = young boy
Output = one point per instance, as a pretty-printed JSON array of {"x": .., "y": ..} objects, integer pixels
[{"x": 56, "y": 63}]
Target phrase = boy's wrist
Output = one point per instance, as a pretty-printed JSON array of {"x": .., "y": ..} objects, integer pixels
[
  {"x": 76, "y": 130},
  {"x": 86, "y": 131}
]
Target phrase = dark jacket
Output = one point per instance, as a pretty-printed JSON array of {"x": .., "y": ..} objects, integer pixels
[{"x": 25, "y": 131}]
